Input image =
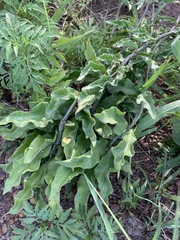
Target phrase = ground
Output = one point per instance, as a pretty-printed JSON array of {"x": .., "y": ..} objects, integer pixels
[{"x": 146, "y": 155}]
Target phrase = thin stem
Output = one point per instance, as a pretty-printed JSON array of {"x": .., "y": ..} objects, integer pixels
[
  {"x": 117, "y": 15},
  {"x": 137, "y": 117},
  {"x": 61, "y": 128},
  {"x": 144, "y": 14},
  {"x": 47, "y": 17}
]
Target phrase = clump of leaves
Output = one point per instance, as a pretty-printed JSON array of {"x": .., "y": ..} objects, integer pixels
[
  {"x": 41, "y": 222},
  {"x": 90, "y": 122}
]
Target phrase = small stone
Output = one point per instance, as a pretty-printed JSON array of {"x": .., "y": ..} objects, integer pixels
[{"x": 4, "y": 228}]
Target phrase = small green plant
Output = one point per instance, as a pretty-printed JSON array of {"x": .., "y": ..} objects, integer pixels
[{"x": 41, "y": 222}]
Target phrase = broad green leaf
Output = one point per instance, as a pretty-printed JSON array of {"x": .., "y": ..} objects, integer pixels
[
  {"x": 148, "y": 103},
  {"x": 85, "y": 100},
  {"x": 126, "y": 42},
  {"x": 82, "y": 195},
  {"x": 112, "y": 100},
  {"x": 97, "y": 86},
  {"x": 18, "y": 154},
  {"x": 113, "y": 116},
  {"x": 56, "y": 78},
  {"x": 58, "y": 97},
  {"x": 36, "y": 180},
  {"x": 92, "y": 67},
  {"x": 12, "y": 133},
  {"x": 110, "y": 59},
  {"x": 176, "y": 131},
  {"x": 103, "y": 129},
  {"x": 64, "y": 41},
  {"x": 68, "y": 139},
  {"x": 124, "y": 149},
  {"x": 153, "y": 78},
  {"x": 39, "y": 147},
  {"x": 176, "y": 47},
  {"x": 125, "y": 86},
  {"x": 102, "y": 175},
  {"x": 35, "y": 117},
  {"x": 63, "y": 176},
  {"x": 82, "y": 144},
  {"x": 87, "y": 124},
  {"x": 148, "y": 122},
  {"x": 89, "y": 159},
  {"x": 18, "y": 169},
  {"x": 120, "y": 23}
]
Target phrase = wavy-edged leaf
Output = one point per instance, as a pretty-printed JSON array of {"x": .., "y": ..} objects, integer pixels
[
  {"x": 148, "y": 103},
  {"x": 92, "y": 67},
  {"x": 58, "y": 97},
  {"x": 113, "y": 116},
  {"x": 62, "y": 177},
  {"x": 103, "y": 129},
  {"x": 97, "y": 86},
  {"x": 85, "y": 100},
  {"x": 18, "y": 169},
  {"x": 125, "y": 86},
  {"x": 102, "y": 174},
  {"x": 82, "y": 195},
  {"x": 36, "y": 180},
  {"x": 12, "y": 133},
  {"x": 87, "y": 124},
  {"x": 35, "y": 117},
  {"x": 89, "y": 159},
  {"x": 126, "y": 42},
  {"x": 124, "y": 149},
  {"x": 68, "y": 139},
  {"x": 39, "y": 147}
]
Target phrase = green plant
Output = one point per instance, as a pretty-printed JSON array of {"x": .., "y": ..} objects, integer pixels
[
  {"x": 95, "y": 113},
  {"x": 40, "y": 222}
]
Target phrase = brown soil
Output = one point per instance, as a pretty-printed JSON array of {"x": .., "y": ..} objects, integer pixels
[{"x": 146, "y": 158}]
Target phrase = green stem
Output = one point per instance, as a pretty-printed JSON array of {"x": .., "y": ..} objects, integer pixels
[{"x": 47, "y": 17}]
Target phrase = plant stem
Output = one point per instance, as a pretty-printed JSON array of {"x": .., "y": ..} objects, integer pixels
[
  {"x": 47, "y": 17},
  {"x": 138, "y": 115},
  {"x": 61, "y": 128}
]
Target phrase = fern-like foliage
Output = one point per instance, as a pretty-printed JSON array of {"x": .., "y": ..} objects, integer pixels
[{"x": 40, "y": 222}]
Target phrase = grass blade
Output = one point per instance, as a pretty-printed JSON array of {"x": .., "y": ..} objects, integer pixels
[
  {"x": 153, "y": 78},
  {"x": 177, "y": 217},
  {"x": 96, "y": 197},
  {"x": 158, "y": 229}
]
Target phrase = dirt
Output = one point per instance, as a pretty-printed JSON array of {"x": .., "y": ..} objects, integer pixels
[{"x": 147, "y": 153}]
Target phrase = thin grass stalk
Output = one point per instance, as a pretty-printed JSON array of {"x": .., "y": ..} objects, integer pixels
[
  {"x": 47, "y": 16},
  {"x": 95, "y": 195}
]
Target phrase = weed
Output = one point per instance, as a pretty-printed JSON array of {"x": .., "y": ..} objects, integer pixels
[{"x": 90, "y": 103}]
